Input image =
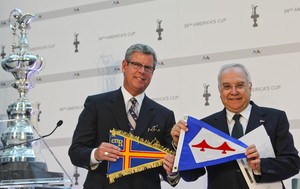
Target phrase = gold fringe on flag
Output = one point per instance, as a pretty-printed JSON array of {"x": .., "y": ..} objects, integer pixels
[{"x": 132, "y": 170}]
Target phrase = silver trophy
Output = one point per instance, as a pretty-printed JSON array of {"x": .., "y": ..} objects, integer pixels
[
  {"x": 22, "y": 164},
  {"x": 24, "y": 66}
]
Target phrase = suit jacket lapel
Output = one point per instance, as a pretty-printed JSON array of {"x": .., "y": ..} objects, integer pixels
[
  {"x": 117, "y": 107},
  {"x": 145, "y": 116},
  {"x": 256, "y": 119},
  {"x": 220, "y": 121}
]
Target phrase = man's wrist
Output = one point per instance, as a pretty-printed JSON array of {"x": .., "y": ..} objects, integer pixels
[
  {"x": 93, "y": 158},
  {"x": 256, "y": 172},
  {"x": 174, "y": 146},
  {"x": 173, "y": 178},
  {"x": 173, "y": 174}
]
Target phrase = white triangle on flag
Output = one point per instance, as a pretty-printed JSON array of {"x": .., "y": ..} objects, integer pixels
[{"x": 207, "y": 146}]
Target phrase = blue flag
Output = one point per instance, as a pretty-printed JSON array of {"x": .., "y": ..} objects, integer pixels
[
  {"x": 137, "y": 154},
  {"x": 204, "y": 145}
]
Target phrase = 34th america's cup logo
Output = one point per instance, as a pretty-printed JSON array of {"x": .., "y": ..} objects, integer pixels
[
  {"x": 159, "y": 29},
  {"x": 76, "y": 42},
  {"x": 2, "y": 51},
  {"x": 254, "y": 15},
  {"x": 206, "y": 94}
]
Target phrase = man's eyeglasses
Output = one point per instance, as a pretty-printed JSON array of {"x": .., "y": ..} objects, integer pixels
[
  {"x": 237, "y": 86},
  {"x": 137, "y": 66}
]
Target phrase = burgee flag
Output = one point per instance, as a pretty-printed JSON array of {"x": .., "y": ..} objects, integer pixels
[
  {"x": 204, "y": 145},
  {"x": 137, "y": 154}
]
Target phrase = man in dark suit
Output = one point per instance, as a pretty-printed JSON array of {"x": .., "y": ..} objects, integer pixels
[
  {"x": 90, "y": 148},
  {"x": 235, "y": 91}
]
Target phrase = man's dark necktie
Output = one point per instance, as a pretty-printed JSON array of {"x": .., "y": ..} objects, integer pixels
[
  {"x": 132, "y": 114},
  {"x": 237, "y": 130}
]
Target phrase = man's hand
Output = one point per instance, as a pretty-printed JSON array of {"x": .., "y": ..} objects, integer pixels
[
  {"x": 107, "y": 151},
  {"x": 253, "y": 158},
  {"x": 168, "y": 163},
  {"x": 175, "y": 132}
]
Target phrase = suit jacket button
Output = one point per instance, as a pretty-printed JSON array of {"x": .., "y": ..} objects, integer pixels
[{"x": 237, "y": 170}]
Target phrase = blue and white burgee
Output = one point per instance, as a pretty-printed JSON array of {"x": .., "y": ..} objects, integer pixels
[{"x": 204, "y": 145}]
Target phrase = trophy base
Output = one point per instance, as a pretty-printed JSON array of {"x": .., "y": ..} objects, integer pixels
[{"x": 26, "y": 170}]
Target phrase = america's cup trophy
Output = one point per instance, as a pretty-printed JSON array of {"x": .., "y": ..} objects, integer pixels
[{"x": 18, "y": 159}]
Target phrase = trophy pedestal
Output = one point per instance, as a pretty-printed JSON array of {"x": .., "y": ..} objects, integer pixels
[
  {"x": 34, "y": 174},
  {"x": 26, "y": 170}
]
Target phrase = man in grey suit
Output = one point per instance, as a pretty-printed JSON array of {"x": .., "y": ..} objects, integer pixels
[
  {"x": 90, "y": 148},
  {"x": 235, "y": 91}
]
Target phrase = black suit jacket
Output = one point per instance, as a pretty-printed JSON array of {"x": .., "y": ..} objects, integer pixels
[
  {"x": 228, "y": 175},
  {"x": 104, "y": 112}
]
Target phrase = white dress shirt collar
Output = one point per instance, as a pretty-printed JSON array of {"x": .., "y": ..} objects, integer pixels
[
  {"x": 245, "y": 113},
  {"x": 127, "y": 96}
]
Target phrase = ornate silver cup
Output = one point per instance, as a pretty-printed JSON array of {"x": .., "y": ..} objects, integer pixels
[
  {"x": 22, "y": 164},
  {"x": 24, "y": 66}
]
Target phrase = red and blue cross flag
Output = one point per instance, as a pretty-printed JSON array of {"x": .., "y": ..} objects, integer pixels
[{"x": 137, "y": 154}]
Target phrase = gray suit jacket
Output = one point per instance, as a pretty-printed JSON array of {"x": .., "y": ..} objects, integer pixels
[{"x": 104, "y": 112}]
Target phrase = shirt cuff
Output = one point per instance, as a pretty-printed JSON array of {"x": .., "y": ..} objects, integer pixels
[
  {"x": 256, "y": 172},
  {"x": 173, "y": 178},
  {"x": 93, "y": 162}
]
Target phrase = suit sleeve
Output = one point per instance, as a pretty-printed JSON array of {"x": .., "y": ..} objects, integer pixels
[
  {"x": 192, "y": 175},
  {"x": 167, "y": 142},
  {"x": 287, "y": 163},
  {"x": 84, "y": 136}
]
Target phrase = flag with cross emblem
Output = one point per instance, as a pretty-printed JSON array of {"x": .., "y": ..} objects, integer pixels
[{"x": 137, "y": 154}]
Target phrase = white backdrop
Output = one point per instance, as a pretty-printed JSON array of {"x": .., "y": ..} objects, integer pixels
[{"x": 197, "y": 38}]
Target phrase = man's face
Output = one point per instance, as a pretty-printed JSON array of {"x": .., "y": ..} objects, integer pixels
[
  {"x": 235, "y": 89},
  {"x": 137, "y": 79}
]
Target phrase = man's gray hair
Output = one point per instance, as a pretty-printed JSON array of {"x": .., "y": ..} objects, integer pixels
[
  {"x": 145, "y": 49},
  {"x": 234, "y": 65}
]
